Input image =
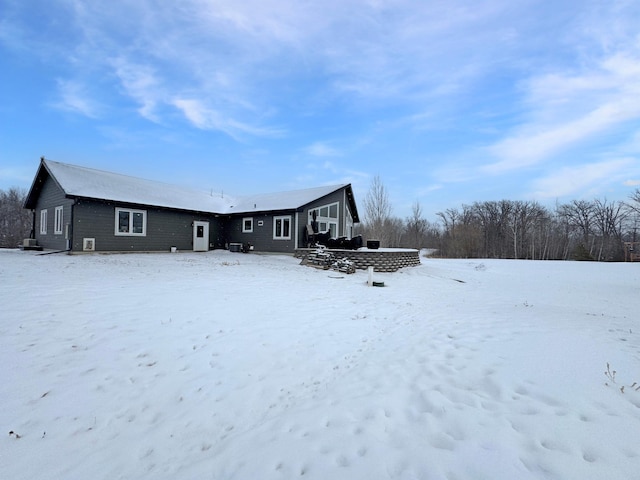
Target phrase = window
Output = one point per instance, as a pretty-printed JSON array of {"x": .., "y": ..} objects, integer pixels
[
  {"x": 247, "y": 225},
  {"x": 326, "y": 218},
  {"x": 131, "y": 222},
  {"x": 43, "y": 222},
  {"x": 57, "y": 225},
  {"x": 333, "y": 211},
  {"x": 282, "y": 228}
]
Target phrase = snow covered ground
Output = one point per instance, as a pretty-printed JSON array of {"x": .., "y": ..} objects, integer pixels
[{"x": 232, "y": 366}]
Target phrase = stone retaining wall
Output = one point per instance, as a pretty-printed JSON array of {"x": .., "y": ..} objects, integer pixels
[{"x": 383, "y": 260}]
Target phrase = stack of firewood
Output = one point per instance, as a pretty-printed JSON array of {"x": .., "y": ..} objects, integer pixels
[
  {"x": 344, "y": 265},
  {"x": 320, "y": 258},
  {"x": 325, "y": 259}
]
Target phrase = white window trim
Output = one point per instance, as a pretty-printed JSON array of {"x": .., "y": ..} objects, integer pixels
[
  {"x": 250, "y": 229},
  {"x": 275, "y": 221},
  {"x": 43, "y": 222},
  {"x": 130, "y": 233},
  {"x": 58, "y": 220},
  {"x": 329, "y": 221}
]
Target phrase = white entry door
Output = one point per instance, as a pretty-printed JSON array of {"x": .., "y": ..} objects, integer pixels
[{"x": 200, "y": 236}]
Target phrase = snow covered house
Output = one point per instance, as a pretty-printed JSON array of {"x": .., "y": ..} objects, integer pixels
[{"x": 82, "y": 209}]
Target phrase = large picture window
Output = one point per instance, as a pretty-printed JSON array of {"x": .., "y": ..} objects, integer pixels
[
  {"x": 326, "y": 218},
  {"x": 131, "y": 222},
  {"x": 282, "y": 228},
  {"x": 57, "y": 224}
]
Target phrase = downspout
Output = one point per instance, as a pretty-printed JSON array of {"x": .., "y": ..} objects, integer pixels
[
  {"x": 70, "y": 229},
  {"x": 296, "y": 244},
  {"x": 32, "y": 233},
  {"x": 344, "y": 213}
]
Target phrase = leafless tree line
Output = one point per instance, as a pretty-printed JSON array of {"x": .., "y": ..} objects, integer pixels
[
  {"x": 580, "y": 229},
  {"x": 15, "y": 221}
]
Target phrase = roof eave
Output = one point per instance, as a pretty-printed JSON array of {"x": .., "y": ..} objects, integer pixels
[
  {"x": 352, "y": 202},
  {"x": 338, "y": 187}
]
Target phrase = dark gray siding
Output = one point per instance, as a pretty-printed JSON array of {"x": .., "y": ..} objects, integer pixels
[
  {"x": 165, "y": 228},
  {"x": 52, "y": 196},
  {"x": 262, "y": 236}
]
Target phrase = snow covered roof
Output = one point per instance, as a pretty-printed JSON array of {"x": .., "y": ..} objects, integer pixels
[
  {"x": 282, "y": 200},
  {"x": 91, "y": 183},
  {"x": 85, "y": 182}
]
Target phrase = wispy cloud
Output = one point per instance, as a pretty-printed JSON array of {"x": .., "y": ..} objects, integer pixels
[
  {"x": 141, "y": 83},
  {"x": 583, "y": 180},
  {"x": 585, "y": 89},
  {"x": 569, "y": 109},
  {"x": 206, "y": 118},
  {"x": 331, "y": 173},
  {"x": 424, "y": 191},
  {"x": 374, "y": 51},
  {"x": 73, "y": 96},
  {"x": 322, "y": 149}
]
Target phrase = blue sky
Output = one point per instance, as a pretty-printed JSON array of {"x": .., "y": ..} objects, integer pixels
[{"x": 449, "y": 102}]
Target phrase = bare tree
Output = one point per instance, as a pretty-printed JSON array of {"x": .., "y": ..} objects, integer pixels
[
  {"x": 15, "y": 221},
  {"x": 470, "y": 242},
  {"x": 580, "y": 217},
  {"x": 394, "y": 229},
  {"x": 635, "y": 200},
  {"x": 633, "y": 217},
  {"x": 561, "y": 242},
  {"x": 462, "y": 236},
  {"x": 525, "y": 222},
  {"x": 608, "y": 219},
  {"x": 377, "y": 212},
  {"x": 450, "y": 219},
  {"x": 494, "y": 219},
  {"x": 416, "y": 226}
]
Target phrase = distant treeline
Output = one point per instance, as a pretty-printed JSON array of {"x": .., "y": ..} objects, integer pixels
[{"x": 579, "y": 230}]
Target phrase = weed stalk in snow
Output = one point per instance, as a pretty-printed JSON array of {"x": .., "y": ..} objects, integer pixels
[{"x": 610, "y": 375}]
